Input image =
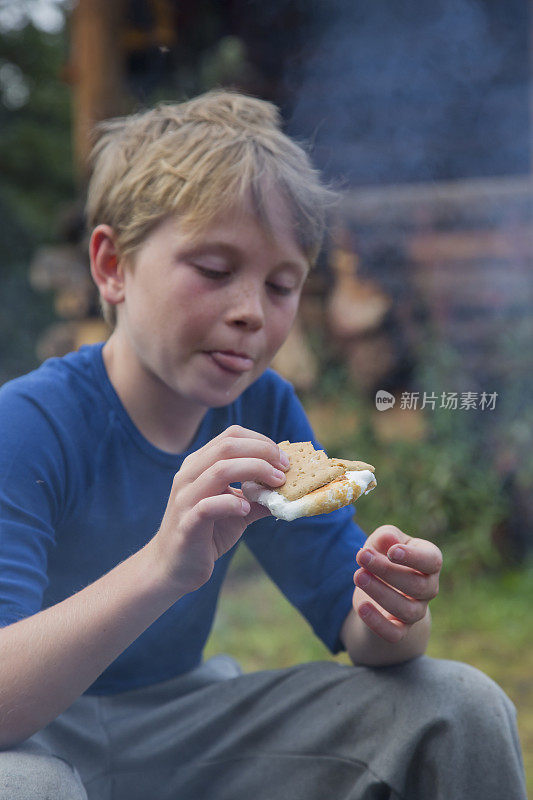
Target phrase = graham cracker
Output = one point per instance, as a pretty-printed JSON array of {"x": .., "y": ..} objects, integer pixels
[
  {"x": 353, "y": 465},
  {"x": 309, "y": 469}
]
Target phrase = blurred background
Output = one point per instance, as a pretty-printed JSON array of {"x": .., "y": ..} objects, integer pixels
[{"x": 421, "y": 115}]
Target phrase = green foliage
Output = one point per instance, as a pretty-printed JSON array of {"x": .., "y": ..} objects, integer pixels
[
  {"x": 515, "y": 422},
  {"x": 35, "y": 142},
  {"x": 37, "y": 181},
  {"x": 438, "y": 490}
]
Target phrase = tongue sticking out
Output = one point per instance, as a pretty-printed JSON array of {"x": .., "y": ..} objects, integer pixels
[{"x": 231, "y": 361}]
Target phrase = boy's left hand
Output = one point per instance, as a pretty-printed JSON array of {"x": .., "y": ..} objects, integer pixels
[{"x": 399, "y": 576}]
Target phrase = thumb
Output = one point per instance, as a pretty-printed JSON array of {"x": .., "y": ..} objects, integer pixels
[
  {"x": 384, "y": 537},
  {"x": 257, "y": 511}
]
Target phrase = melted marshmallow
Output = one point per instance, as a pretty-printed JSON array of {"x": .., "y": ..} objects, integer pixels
[{"x": 288, "y": 510}]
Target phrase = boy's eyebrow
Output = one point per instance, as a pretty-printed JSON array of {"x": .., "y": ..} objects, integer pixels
[{"x": 224, "y": 248}]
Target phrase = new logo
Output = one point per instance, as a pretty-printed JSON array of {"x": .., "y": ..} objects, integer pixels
[{"x": 384, "y": 400}]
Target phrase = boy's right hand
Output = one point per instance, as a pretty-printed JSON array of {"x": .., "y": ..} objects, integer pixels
[{"x": 205, "y": 516}]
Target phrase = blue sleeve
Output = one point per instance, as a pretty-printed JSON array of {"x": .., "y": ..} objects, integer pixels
[
  {"x": 312, "y": 559},
  {"x": 32, "y": 478}
]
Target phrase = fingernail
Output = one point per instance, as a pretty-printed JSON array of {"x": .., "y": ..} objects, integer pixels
[
  {"x": 278, "y": 475},
  {"x": 397, "y": 554},
  {"x": 245, "y": 507},
  {"x": 363, "y": 580},
  {"x": 284, "y": 458},
  {"x": 365, "y": 558}
]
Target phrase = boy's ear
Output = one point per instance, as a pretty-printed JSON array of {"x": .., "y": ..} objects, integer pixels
[{"x": 106, "y": 266}]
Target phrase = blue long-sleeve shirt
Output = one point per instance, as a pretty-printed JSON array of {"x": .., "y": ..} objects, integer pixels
[{"x": 81, "y": 489}]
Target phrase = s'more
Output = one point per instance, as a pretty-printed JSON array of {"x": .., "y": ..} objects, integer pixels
[{"x": 315, "y": 484}]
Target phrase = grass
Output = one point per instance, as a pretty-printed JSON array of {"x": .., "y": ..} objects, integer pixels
[{"x": 482, "y": 622}]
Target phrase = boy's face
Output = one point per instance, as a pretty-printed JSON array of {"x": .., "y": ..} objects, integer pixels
[{"x": 205, "y": 314}]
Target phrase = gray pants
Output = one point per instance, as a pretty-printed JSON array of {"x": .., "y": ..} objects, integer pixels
[{"x": 424, "y": 730}]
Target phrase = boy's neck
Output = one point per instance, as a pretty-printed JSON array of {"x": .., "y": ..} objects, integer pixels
[{"x": 164, "y": 419}]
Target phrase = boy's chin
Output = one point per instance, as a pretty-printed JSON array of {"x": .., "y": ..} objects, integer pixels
[{"x": 220, "y": 396}]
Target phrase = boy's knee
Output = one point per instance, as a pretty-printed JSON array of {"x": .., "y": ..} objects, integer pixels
[
  {"x": 30, "y": 773},
  {"x": 461, "y": 693}
]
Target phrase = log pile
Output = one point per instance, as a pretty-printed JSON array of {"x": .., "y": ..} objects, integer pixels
[
  {"x": 356, "y": 310},
  {"x": 63, "y": 269},
  {"x": 478, "y": 285},
  {"x": 467, "y": 251}
]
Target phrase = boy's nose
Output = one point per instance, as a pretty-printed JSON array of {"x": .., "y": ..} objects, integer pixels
[{"x": 247, "y": 311}]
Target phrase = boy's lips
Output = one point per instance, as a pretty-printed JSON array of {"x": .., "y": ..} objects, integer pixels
[{"x": 232, "y": 361}]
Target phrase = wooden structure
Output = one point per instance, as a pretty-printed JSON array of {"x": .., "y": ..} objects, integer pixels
[
  {"x": 458, "y": 256},
  {"x": 103, "y": 36}
]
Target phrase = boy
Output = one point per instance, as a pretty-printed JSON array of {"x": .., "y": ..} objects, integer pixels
[{"x": 119, "y": 515}]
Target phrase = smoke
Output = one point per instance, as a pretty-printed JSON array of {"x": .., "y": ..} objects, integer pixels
[{"x": 415, "y": 91}]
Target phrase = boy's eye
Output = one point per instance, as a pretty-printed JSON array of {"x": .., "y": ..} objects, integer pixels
[
  {"x": 280, "y": 289},
  {"x": 213, "y": 274}
]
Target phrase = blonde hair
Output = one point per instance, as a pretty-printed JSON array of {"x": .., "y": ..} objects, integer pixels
[{"x": 195, "y": 159}]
